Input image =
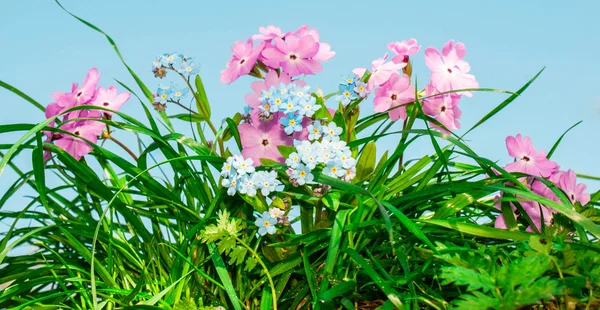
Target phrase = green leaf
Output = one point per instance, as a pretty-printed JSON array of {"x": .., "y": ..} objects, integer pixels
[
  {"x": 555, "y": 146},
  {"x": 473, "y": 279},
  {"x": 332, "y": 200},
  {"x": 286, "y": 150},
  {"x": 366, "y": 162},
  {"x": 189, "y": 117},
  {"x": 233, "y": 129},
  {"x": 224, "y": 276},
  {"x": 22, "y": 95},
  {"x": 203, "y": 97}
]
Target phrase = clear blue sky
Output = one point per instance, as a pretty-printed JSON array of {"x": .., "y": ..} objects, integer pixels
[{"x": 44, "y": 50}]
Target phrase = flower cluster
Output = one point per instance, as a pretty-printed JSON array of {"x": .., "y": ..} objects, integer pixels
[
  {"x": 278, "y": 112},
  {"x": 351, "y": 88},
  {"x": 82, "y": 124},
  {"x": 324, "y": 148},
  {"x": 240, "y": 176},
  {"x": 179, "y": 63},
  {"x": 535, "y": 163},
  {"x": 184, "y": 66},
  {"x": 267, "y": 220},
  {"x": 295, "y": 53}
]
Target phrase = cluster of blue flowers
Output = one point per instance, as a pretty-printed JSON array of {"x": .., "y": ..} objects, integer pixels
[
  {"x": 293, "y": 100},
  {"x": 239, "y": 176},
  {"x": 170, "y": 92},
  {"x": 175, "y": 61},
  {"x": 351, "y": 88},
  {"x": 322, "y": 147}
]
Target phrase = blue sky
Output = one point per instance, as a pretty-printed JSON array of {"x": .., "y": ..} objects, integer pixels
[{"x": 45, "y": 50}]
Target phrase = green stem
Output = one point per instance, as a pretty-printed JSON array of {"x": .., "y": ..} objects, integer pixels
[
  {"x": 273, "y": 291},
  {"x": 306, "y": 219},
  {"x": 123, "y": 146}
]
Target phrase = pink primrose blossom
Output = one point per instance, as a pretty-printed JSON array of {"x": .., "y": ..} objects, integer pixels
[
  {"x": 449, "y": 71},
  {"x": 395, "y": 93}
]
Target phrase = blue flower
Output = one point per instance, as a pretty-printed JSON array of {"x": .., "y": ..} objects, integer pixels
[
  {"x": 291, "y": 123},
  {"x": 248, "y": 184},
  {"x": 164, "y": 93},
  {"x": 284, "y": 90},
  {"x": 302, "y": 174},
  {"x": 267, "y": 182},
  {"x": 170, "y": 59},
  {"x": 310, "y": 159},
  {"x": 347, "y": 94},
  {"x": 188, "y": 67},
  {"x": 247, "y": 110},
  {"x": 266, "y": 224},
  {"x": 157, "y": 63},
  {"x": 177, "y": 93},
  {"x": 360, "y": 88},
  {"x": 315, "y": 131},
  {"x": 300, "y": 93},
  {"x": 288, "y": 106},
  {"x": 231, "y": 184},
  {"x": 309, "y": 108},
  {"x": 334, "y": 169},
  {"x": 332, "y": 132},
  {"x": 303, "y": 147},
  {"x": 243, "y": 166},
  {"x": 266, "y": 95},
  {"x": 293, "y": 160},
  {"x": 348, "y": 80}
]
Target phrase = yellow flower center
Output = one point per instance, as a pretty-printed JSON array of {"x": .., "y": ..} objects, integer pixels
[
  {"x": 267, "y": 223},
  {"x": 163, "y": 96},
  {"x": 302, "y": 173},
  {"x": 292, "y": 122},
  {"x": 346, "y": 94},
  {"x": 349, "y": 80},
  {"x": 316, "y": 131},
  {"x": 178, "y": 94},
  {"x": 361, "y": 88},
  {"x": 267, "y": 106},
  {"x": 188, "y": 69},
  {"x": 278, "y": 101},
  {"x": 334, "y": 169}
]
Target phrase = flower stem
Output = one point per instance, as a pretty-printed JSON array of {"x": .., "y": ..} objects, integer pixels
[
  {"x": 184, "y": 107},
  {"x": 123, "y": 146},
  {"x": 273, "y": 291}
]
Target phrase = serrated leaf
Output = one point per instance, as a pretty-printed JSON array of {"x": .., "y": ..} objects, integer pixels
[
  {"x": 250, "y": 263},
  {"x": 474, "y": 280},
  {"x": 238, "y": 254}
]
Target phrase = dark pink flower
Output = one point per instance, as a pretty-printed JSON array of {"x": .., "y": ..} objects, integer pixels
[
  {"x": 529, "y": 160},
  {"x": 269, "y": 33},
  {"x": 110, "y": 99},
  {"x": 260, "y": 139},
  {"x": 403, "y": 50},
  {"x": 395, "y": 93},
  {"x": 294, "y": 55},
  {"x": 271, "y": 80},
  {"x": 443, "y": 107},
  {"x": 380, "y": 71},
  {"x": 449, "y": 71},
  {"x": 86, "y": 129},
  {"x": 576, "y": 192},
  {"x": 324, "y": 53},
  {"x": 243, "y": 60}
]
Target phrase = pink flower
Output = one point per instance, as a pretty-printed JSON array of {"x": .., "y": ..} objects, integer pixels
[
  {"x": 271, "y": 79},
  {"x": 449, "y": 71},
  {"x": 269, "y": 33},
  {"x": 403, "y": 50},
  {"x": 87, "y": 91},
  {"x": 86, "y": 129},
  {"x": 395, "y": 93},
  {"x": 325, "y": 53},
  {"x": 529, "y": 160},
  {"x": 576, "y": 192},
  {"x": 443, "y": 107},
  {"x": 243, "y": 60},
  {"x": 293, "y": 55},
  {"x": 110, "y": 99},
  {"x": 381, "y": 71},
  {"x": 260, "y": 139}
]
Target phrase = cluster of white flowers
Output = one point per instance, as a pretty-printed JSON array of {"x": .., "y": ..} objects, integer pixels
[
  {"x": 322, "y": 147},
  {"x": 239, "y": 176}
]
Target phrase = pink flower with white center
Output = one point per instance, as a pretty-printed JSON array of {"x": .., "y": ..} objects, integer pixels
[
  {"x": 443, "y": 107},
  {"x": 381, "y": 71},
  {"x": 325, "y": 53},
  {"x": 403, "y": 50},
  {"x": 86, "y": 129},
  {"x": 271, "y": 79},
  {"x": 449, "y": 71},
  {"x": 269, "y": 33},
  {"x": 396, "y": 93},
  {"x": 529, "y": 160},
  {"x": 243, "y": 60},
  {"x": 260, "y": 139},
  {"x": 294, "y": 55},
  {"x": 110, "y": 99},
  {"x": 576, "y": 192}
]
